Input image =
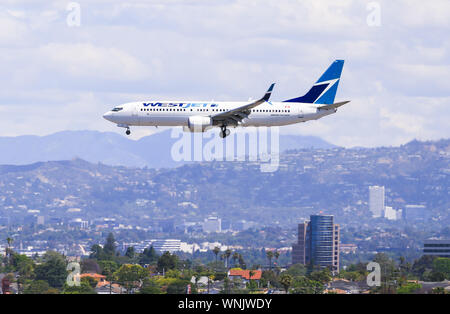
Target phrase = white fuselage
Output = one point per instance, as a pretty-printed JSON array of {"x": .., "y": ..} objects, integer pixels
[{"x": 173, "y": 113}]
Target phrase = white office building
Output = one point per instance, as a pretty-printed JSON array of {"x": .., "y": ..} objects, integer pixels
[
  {"x": 212, "y": 224},
  {"x": 390, "y": 213},
  {"x": 376, "y": 201},
  {"x": 167, "y": 245}
]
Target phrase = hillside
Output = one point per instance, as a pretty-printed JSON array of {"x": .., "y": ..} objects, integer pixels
[
  {"x": 113, "y": 148},
  {"x": 308, "y": 180}
]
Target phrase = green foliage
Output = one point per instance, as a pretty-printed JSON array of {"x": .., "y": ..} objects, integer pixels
[
  {"x": 150, "y": 286},
  {"x": 409, "y": 288},
  {"x": 53, "y": 270},
  {"x": 304, "y": 285},
  {"x": 92, "y": 282},
  {"x": 423, "y": 265},
  {"x": 90, "y": 266},
  {"x": 149, "y": 256},
  {"x": 323, "y": 276},
  {"x": 167, "y": 261},
  {"x": 37, "y": 287},
  {"x": 442, "y": 265},
  {"x": 110, "y": 246},
  {"x": 108, "y": 268},
  {"x": 286, "y": 281},
  {"x": 297, "y": 270},
  {"x": 177, "y": 287},
  {"x": 130, "y": 253},
  {"x": 130, "y": 276},
  {"x": 269, "y": 276},
  {"x": 85, "y": 287}
]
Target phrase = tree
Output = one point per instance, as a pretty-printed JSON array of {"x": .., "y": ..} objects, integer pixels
[
  {"x": 37, "y": 287},
  {"x": 269, "y": 255},
  {"x": 303, "y": 285},
  {"x": 108, "y": 268},
  {"x": 442, "y": 265},
  {"x": 167, "y": 261},
  {"x": 268, "y": 276},
  {"x": 131, "y": 276},
  {"x": 24, "y": 267},
  {"x": 9, "y": 241},
  {"x": 297, "y": 270},
  {"x": 177, "y": 287},
  {"x": 130, "y": 253},
  {"x": 323, "y": 276},
  {"x": 53, "y": 269},
  {"x": 235, "y": 257},
  {"x": 149, "y": 256},
  {"x": 85, "y": 287},
  {"x": 286, "y": 281},
  {"x": 242, "y": 262},
  {"x": 90, "y": 266},
  {"x": 423, "y": 265},
  {"x": 110, "y": 245},
  {"x": 97, "y": 253},
  {"x": 149, "y": 286},
  {"x": 276, "y": 255},
  {"x": 227, "y": 256},
  {"x": 216, "y": 251}
]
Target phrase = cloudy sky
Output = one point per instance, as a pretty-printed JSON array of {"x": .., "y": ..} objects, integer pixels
[{"x": 62, "y": 77}]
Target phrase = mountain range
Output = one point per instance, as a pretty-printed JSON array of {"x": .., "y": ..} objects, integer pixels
[{"x": 153, "y": 151}]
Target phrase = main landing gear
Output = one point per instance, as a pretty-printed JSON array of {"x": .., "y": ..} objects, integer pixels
[
  {"x": 128, "y": 132},
  {"x": 224, "y": 132}
]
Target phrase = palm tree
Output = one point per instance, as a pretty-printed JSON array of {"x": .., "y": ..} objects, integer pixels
[
  {"x": 286, "y": 281},
  {"x": 235, "y": 257},
  {"x": 276, "y": 254},
  {"x": 216, "y": 251},
  {"x": 227, "y": 256},
  {"x": 8, "y": 249},
  {"x": 270, "y": 256}
]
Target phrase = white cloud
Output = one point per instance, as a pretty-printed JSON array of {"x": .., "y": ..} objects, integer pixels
[
  {"x": 396, "y": 75},
  {"x": 86, "y": 60}
]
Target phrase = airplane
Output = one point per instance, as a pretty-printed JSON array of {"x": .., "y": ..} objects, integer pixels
[{"x": 199, "y": 116}]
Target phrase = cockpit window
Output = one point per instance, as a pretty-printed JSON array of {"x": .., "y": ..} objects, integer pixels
[{"x": 117, "y": 109}]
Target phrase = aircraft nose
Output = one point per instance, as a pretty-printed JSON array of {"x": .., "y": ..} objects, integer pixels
[{"x": 107, "y": 116}]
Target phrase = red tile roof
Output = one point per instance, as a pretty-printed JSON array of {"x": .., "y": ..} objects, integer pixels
[
  {"x": 245, "y": 273},
  {"x": 93, "y": 275}
]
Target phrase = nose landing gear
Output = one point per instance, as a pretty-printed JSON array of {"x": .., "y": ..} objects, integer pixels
[{"x": 127, "y": 132}]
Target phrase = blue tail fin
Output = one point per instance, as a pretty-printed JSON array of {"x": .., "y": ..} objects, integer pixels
[{"x": 324, "y": 90}]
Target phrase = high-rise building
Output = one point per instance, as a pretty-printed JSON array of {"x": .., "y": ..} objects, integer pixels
[
  {"x": 439, "y": 248},
  {"x": 212, "y": 224},
  {"x": 318, "y": 243},
  {"x": 376, "y": 201}
]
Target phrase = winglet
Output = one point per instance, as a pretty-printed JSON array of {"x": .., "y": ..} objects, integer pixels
[{"x": 268, "y": 93}]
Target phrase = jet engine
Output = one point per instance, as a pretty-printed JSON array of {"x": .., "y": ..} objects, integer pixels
[{"x": 199, "y": 123}]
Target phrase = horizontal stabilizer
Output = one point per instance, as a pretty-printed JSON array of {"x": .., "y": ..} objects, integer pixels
[{"x": 333, "y": 106}]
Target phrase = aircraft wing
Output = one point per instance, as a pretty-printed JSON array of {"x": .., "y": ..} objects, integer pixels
[
  {"x": 236, "y": 115},
  {"x": 333, "y": 106}
]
